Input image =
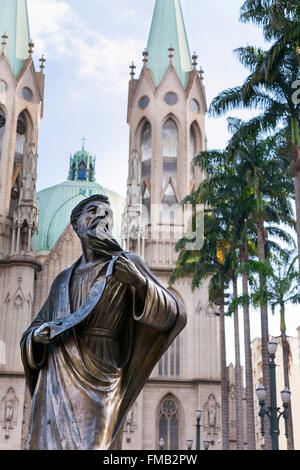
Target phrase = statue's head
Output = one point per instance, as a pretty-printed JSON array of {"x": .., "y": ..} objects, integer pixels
[{"x": 93, "y": 214}]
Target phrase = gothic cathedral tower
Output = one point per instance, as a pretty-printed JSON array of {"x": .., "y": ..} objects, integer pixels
[
  {"x": 21, "y": 107},
  {"x": 166, "y": 115}
]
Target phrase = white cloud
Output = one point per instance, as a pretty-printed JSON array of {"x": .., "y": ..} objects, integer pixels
[{"x": 60, "y": 34}]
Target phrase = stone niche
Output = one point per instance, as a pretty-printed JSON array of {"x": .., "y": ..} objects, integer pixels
[{"x": 12, "y": 394}]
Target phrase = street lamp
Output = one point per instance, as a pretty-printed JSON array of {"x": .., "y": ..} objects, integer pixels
[
  {"x": 274, "y": 414},
  {"x": 189, "y": 444},
  {"x": 161, "y": 443},
  {"x": 198, "y": 417},
  {"x": 206, "y": 443}
]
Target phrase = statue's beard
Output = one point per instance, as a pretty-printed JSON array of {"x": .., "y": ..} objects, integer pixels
[{"x": 100, "y": 241}]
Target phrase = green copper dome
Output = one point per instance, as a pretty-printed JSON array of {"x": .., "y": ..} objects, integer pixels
[
  {"x": 56, "y": 203},
  {"x": 14, "y": 21},
  {"x": 167, "y": 30}
]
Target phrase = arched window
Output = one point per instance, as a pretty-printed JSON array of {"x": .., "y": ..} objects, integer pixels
[
  {"x": 73, "y": 172},
  {"x": 169, "y": 423},
  {"x": 169, "y": 364},
  {"x": 2, "y": 127},
  {"x": 82, "y": 171},
  {"x": 192, "y": 151},
  {"x": 146, "y": 151},
  {"x": 20, "y": 137},
  {"x": 170, "y": 150},
  {"x": 22, "y": 132},
  {"x": 91, "y": 172}
]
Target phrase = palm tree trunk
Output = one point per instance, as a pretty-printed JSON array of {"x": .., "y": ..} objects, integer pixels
[
  {"x": 297, "y": 197},
  {"x": 224, "y": 383},
  {"x": 238, "y": 377},
  {"x": 286, "y": 362},
  {"x": 248, "y": 368},
  {"x": 264, "y": 327}
]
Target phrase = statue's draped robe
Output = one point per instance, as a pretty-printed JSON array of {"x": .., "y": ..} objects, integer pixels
[{"x": 84, "y": 384}]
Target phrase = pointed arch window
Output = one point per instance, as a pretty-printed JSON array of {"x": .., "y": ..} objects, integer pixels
[
  {"x": 20, "y": 137},
  {"x": 73, "y": 172},
  {"x": 169, "y": 364},
  {"x": 169, "y": 197},
  {"x": 2, "y": 127},
  {"x": 192, "y": 152},
  {"x": 170, "y": 150},
  {"x": 146, "y": 151},
  {"x": 82, "y": 171},
  {"x": 169, "y": 423},
  {"x": 91, "y": 173}
]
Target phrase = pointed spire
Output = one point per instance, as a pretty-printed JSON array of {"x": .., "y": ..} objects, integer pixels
[
  {"x": 171, "y": 53},
  {"x": 14, "y": 20},
  {"x": 195, "y": 57},
  {"x": 4, "y": 42},
  {"x": 132, "y": 68},
  {"x": 84, "y": 140},
  {"x": 145, "y": 55},
  {"x": 31, "y": 47},
  {"x": 168, "y": 28},
  {"x": 42, "y": 63}
]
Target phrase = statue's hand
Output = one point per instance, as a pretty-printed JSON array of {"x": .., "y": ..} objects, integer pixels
[
  {"x": 126, "y": 272},
  {"x": 42, "y": 334}
]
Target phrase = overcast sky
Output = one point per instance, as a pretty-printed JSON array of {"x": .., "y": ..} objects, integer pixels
[{"x": 89, "y": 45}]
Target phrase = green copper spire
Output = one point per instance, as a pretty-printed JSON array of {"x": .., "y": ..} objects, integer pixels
[
  {"x": 167, "y": 30},
  {"x": 14, "y": 21}
]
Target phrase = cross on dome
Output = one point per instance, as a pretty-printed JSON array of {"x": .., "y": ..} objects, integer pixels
[{"x": 83, "y": 142}]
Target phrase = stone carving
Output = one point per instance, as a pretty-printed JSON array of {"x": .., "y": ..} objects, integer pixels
[
  {"x": 131, "y": 423},
  {"x": 26, "y": 214},
  {"x": 88, "y": 353},
  {"x": 211, "y": 417},
  {"x": 9, "y": 412}
]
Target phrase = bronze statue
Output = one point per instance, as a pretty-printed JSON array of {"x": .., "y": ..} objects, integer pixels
[{"x": 88, "y": 353}]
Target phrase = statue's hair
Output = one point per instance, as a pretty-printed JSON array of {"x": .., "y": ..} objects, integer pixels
[{"x": 77, "y": 211}]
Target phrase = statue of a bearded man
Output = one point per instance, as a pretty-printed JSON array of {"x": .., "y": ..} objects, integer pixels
[{"x": 88, "y": 353}]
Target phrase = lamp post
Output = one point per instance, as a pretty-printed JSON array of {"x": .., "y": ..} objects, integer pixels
[
  {"x": 189, "y": 444},
  {"x": 273, "y": 413},
  {"x": 161, "y": 443},
  {"x": 206, "y": 443},
  {"x": 198, "y": 417}
]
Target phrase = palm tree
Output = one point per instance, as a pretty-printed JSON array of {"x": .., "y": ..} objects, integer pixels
[
  {"x": 244, "y": 253},
  {"x": 238, "y": 374},
  {"x": 280, "y": 23},
  {"x": 283, "y": 289},
  {"x": 205, "y": 264},
  {"x": 216, "y": 192},
  {"x": 257, "y": 164},
  {"x": 269, "y": 85},
  {"x": 237, "y": 193}
]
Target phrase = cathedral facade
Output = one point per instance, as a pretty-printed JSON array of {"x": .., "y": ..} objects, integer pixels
[{"x": 166, "y": 117}]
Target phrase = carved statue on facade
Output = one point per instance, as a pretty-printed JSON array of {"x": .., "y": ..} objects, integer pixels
[
  {"x": 211, "y": 416},
  {"x": 9, "y": 411},
  {"x": 88, "y": 353},
  {"x": 131, "y": 423}
]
